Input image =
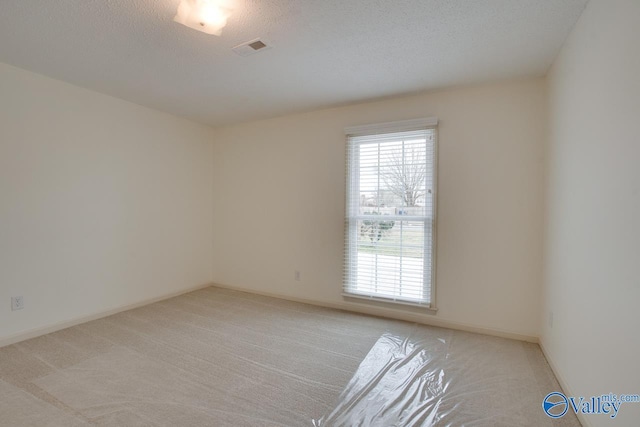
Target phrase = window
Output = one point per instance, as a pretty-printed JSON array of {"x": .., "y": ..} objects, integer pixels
[{"x": 390, "y": 212}]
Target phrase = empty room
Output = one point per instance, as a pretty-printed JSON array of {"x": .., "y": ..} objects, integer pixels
[{"x": 320, "y": 213}]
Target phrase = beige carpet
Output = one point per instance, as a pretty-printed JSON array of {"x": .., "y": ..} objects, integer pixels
[{"x": 217, "y": 357}]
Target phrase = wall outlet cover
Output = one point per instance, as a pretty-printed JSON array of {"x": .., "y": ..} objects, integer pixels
[{"x": 17, "y": 303}]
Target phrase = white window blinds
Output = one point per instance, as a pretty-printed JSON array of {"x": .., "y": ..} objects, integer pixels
[{"x": 390, "y": 212}]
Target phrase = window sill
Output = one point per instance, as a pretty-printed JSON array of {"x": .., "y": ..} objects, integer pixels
[{"x": 429, "y": 308}]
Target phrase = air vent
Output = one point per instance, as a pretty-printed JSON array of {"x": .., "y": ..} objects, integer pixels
[{"x": 251, "y": 47}]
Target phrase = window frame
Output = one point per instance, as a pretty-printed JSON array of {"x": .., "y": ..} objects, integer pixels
[{"x": 353, "y": 177}]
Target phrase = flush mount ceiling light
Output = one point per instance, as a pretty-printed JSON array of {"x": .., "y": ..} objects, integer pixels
[{"x": 208, "y": 16}]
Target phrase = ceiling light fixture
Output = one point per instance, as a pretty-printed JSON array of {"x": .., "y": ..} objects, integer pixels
[{"x": 208, "y": 16}]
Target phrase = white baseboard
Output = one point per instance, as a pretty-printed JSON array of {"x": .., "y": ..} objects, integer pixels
[
  {"x": 36, "y": 332},
  {"x": 563, "y": 384},
  {"x": 347, "y": 306},
  {"x": 390, "y": 313}
]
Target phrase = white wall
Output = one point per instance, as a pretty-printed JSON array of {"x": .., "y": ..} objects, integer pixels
[
  {"x": 102, "y": 203},
  {"x": 279, "y": 202},
  {"x": 592, "y": 245}
]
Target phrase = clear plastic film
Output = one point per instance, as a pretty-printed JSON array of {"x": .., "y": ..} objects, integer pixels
[
  {"x": 398, "y": 383},
  {"x": 445, "y": 379}
]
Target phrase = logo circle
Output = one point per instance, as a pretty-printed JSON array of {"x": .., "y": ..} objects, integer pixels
[{"x": 555, "y": 404}]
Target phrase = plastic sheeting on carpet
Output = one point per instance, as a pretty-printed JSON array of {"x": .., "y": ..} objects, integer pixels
[
  {"x": 427, "y": 379},
  {"x": 398, "y": 383}
]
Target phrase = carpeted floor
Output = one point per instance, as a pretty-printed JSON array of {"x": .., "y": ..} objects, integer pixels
[{"x": 217, "y": 357}]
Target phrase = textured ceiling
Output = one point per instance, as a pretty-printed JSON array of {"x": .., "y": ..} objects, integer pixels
[{"x": 325, "y": 52}]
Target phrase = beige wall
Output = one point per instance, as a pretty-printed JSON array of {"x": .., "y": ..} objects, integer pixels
[
  {"x": 592, "y": 245},
  {"x": 102, "y": 203},
  {"x": 279, "y": 202}
]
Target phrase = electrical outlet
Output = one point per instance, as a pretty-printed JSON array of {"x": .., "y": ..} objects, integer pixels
[
  {"x": 17, "y": 303},
  {"x": 296, "y": 275}
]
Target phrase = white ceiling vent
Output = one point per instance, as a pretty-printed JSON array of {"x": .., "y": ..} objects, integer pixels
[{"x": 251, "y": 47}]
